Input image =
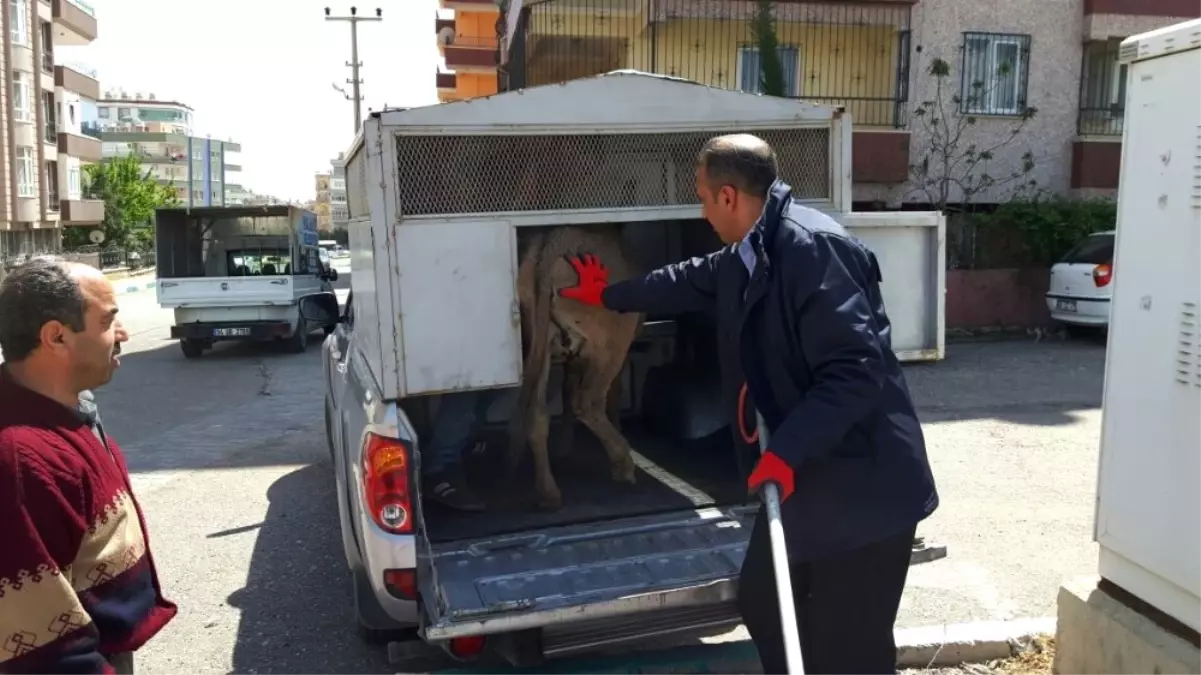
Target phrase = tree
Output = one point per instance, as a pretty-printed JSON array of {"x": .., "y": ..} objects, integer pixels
[
  {"x": 763, "y": 31},
  {"x": 130, "y": 196},
  {"x": 951, "y": 167}
]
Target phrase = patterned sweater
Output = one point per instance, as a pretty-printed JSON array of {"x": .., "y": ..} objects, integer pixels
[{"x": 77, "y": 581}]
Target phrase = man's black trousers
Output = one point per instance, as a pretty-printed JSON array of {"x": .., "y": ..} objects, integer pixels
[{"x": 846, "y": 604}]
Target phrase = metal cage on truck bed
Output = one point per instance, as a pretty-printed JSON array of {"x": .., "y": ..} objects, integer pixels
[{"x": 436, "y": 194}]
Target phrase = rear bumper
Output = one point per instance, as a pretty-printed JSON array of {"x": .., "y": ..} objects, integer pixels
[
  {"x": 1089, "y": 311},
  {"x": 235, "y": 330}
]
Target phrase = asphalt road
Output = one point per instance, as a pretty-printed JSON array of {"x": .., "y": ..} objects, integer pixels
[{"x": 229, "y": 462}]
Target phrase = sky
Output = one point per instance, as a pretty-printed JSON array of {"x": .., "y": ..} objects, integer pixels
[{"x": 261, "y": 72}]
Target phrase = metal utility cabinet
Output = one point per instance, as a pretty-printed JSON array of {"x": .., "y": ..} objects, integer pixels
[
  {"x": 436, "y": 194},
  {"x": 1148, "y": 518}
]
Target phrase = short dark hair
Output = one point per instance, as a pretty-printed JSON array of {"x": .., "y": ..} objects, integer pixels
[
  {"x": 744, "y": 161},
  {"x": 31, "y": 295}
]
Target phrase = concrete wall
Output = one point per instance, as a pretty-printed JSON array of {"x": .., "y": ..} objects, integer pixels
[{"x": 1055, "y": 28}]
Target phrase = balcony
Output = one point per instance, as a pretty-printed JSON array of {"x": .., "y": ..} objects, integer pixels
[
  {"x": 74, "y": 22},
  {"x": 849, "y": 54},
  {"x": 1097, "y": 151},
  {"x": 86, "y": 148},
  {"x": 76, "y": 80},
  {"x": 81, "y": 212},
  {"x": 440, "y": 23},
  {"x": 471, "y": 53},
  {"x": 445, "y": 81}
]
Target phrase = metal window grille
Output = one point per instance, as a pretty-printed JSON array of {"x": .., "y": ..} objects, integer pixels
[
  {"x": 448, "y": 174},
  {"x": 994, "y": 74},
  {"x": 1102, "y": 90},
  {"x": 850, "y": 54}
]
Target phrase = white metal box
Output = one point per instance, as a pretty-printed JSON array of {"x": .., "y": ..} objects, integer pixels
[
  {"x": 1148, "y": 520},
  {"x": 437, "y": 194}
]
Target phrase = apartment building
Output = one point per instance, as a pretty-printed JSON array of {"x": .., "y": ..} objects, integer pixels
[
  {"x": 468, "y": 42},
  {"x": 871, "y": 58},
  {"x": 322, "y": 206},
  {"x": 339, "y": 210},
  {"x": 118, "y": 108},
  {"x": 47, "y": 127},
  {"x": 202, "y": 171}
]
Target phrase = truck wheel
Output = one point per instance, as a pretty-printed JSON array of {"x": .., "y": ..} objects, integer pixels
[
  {"x": 299, "y": 341},
  {"x": 192, "y": 349}
]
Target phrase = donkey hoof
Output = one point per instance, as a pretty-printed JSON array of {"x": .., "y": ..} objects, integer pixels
[{"x": 623, "y": 470}]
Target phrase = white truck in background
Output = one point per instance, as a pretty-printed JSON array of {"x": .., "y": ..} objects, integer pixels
[
  {"x": 237, "y": 273},
  {"x": 440, "y": 200}
]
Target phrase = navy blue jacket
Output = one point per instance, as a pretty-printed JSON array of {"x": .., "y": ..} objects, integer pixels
[{"x": 812, "y": 341}]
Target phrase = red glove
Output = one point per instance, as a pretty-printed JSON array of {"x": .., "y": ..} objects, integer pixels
[
  {"x": 772, "y": 469},
  {"x": 593, "y": 280}
]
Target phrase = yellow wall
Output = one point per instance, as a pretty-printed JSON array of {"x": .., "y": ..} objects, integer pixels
[
  {"x": 470, "y": 85},
  {"x": 837, "y": 62},
  {"x": 476, "y": 24}
]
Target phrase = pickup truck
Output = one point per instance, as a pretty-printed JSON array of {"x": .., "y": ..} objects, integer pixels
[
  {"x": 441, "y": 198},
  {"x": 238, "y": 272}
]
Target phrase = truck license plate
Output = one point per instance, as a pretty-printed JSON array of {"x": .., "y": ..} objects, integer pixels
[
  {"x": 231, "y": 332},
  {"x": 1065, "y": 305}
]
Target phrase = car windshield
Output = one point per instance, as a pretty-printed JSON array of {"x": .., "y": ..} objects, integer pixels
[{"x": 1095, "y": 249}]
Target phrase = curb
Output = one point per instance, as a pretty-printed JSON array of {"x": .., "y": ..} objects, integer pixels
[
  {"x": 133, "y": 288},
  {"x": 974, "y": 642},
  {"x": 921, "y": 647}
]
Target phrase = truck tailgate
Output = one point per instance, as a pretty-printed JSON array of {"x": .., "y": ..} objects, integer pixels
[
  {"x": 587, "y": 571},
  {"x": 225, "y": 291}
]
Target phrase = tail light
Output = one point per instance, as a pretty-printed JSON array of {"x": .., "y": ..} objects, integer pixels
[
  {"x": 1102, "y": 275},
  {"x": 401, "y": 584},
  {"x": 386, "y": 483},
  {"x": 467, "y": 647}
]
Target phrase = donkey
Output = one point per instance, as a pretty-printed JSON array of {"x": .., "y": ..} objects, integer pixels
[{"x": 591, "y": 341}]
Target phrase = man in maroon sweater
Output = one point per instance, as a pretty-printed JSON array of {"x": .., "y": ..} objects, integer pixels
[{"x": 78, "y": 589}]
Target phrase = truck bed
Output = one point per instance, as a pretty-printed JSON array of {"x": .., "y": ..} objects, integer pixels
[{"x": 672, "y": 476}]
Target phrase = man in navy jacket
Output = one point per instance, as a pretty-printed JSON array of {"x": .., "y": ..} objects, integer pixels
[{"x": 801, "y": 320}]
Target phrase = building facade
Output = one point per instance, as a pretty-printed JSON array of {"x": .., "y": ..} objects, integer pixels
[
  {"x": 202, "y": 171},
  {"x": 119, "y": 109},
  {"x": 339, "y": 210},
  {"x": 48, "y": 131},
  {"x": 322, "y": 205},
  {"x": 467, "y": 40},
  {"x": 870, "y": 58}
]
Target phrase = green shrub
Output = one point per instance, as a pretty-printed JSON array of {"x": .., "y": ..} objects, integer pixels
[{"x": 1047, "y": 226}]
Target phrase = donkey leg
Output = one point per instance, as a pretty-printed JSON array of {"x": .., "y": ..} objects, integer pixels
[{"x": 591, "y": 409}]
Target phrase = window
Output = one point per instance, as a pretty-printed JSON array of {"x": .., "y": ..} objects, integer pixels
[
  {"x": 124, "y": 114},
  {"x": 750, "y": 77},
  {"x": 22, "y": 111},
  {"x": 103, "y": 113},
  {"x": 1095, "y": 249},
  {"x": 18, "y": 11},
  {"x": 1102, "y": 89},
  {"x": 74, "y": 184},
  {"x": 27, "y": 179},
  {"x": 994, "y": 73},
  {"x": 50, "y": 133},
  {"x": 51, "y": 169}
]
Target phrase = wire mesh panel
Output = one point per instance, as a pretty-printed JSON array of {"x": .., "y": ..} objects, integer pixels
[{"x": 448, "y": 174}]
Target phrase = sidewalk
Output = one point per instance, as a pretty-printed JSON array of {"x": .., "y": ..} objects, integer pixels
[{"x": 134, "y": 283}]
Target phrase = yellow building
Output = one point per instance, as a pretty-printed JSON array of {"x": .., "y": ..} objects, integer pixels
[
  {"x": 469, "y": 45},
  {"x": 323, "y": 202}
]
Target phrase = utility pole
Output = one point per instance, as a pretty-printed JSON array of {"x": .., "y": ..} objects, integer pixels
[{"x": 354, "y": 64}]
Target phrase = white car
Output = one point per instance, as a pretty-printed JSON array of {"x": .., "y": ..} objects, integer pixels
[{"x": 1082, "y": 284}]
